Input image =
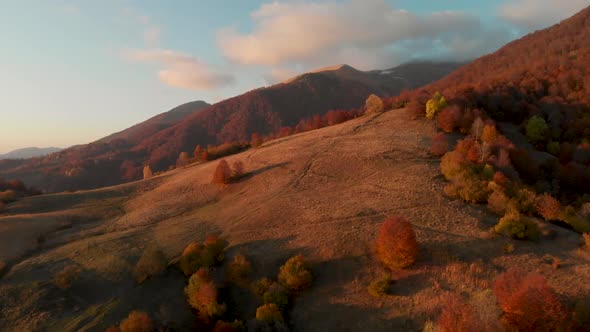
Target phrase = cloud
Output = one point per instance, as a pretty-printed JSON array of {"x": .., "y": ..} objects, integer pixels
[
  {"x": 537, "y": 14},
  {"x": 181, "y": 70},
  {"x": 363, "y": 33}
]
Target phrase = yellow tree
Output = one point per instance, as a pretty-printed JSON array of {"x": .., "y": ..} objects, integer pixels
[
  {"x": 434, "y": 105},
  {"x": 374, "y": 105}
]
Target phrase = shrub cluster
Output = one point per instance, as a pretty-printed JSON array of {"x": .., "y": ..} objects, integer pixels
[
  {"x": 518, "y": 227},
  {"x": 196, "y": 256},
  {"x": 396, "y": 243},
  {"x": 239, "y": 269},
  {"x": 295, "y": 274},
  {"x": 137, "y": 321}
]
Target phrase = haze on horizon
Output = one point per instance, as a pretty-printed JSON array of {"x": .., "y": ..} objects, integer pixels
[{"x": 73, "y": 72}]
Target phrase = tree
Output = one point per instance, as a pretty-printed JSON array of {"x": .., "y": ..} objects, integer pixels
[
  {"x": 536, "y": 128},
  {"x": 373, "y": 105},
  {"x": 477, "y": 128},
  {"x": 183, "y": 159},
  {"x": 198, "y": 152},
  {"x": 434, "y": 105},
  {"x": 256, "y": 140},
  {"x": 237, "y": 170},
  {"x": 222, "y": 174},
  {"x": 147, "y": 172},
  {"x": 137, "y": 321},
  {"x": 396, "y": 243},
  {"x": 489, "y": 134}
]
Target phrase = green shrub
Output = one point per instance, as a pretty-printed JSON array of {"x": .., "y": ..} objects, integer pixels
[
  {"x": 517, "y": 227},
  {"x": 239, "y": 269},
  {"x": 380, "y": 287},
  {"x": 269, "y": 313},
  {"x": 152, "y": 262},
  {"x": 276, "y": 294},
  {"x": 553, "y": 148},
  {"x": 295, "y": 274},
  {"x": 536, "y": 129}
]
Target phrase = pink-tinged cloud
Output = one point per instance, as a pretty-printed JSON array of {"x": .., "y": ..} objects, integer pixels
[
  {"x": 181, "y": 70},
  {"x": 536, "y": 14},
  {"x": 320, "y": 33}
]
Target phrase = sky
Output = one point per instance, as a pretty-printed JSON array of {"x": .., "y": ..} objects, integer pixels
[{"x": 72, "y": 71}]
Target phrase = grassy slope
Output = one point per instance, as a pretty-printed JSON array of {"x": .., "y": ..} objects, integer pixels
[{"x": 322, "y": 193}]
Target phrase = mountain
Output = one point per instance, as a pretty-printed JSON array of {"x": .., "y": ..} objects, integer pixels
[
  {"x": 120, "y": 157},
  {"x": 323, "y": 194},
  {"x": 159, "y": 122},
  {"x": 29, "y": 153}
]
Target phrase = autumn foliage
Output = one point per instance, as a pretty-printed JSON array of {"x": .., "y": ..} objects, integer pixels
[
  {"x": 222, "y": 174},
  {"x": 396, "y": 243},
  {"x": 528, "y": 302},
  {"x": 137, "y": 321}
]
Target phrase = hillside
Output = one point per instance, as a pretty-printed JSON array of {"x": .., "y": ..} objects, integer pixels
[
  {"x": 121, "y": 157},
  {"x": 140, "y": 131},
  {"x": 545, "y": 73},
  {"x": 32, "y": 152},
  {"x": 323, "y": 193}
]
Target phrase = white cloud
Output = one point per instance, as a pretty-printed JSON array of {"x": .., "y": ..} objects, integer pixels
[
  {"x": 363, "y": 33},
  {"x": 536, "y": 14},
  {"x": 181, "y": 70}
]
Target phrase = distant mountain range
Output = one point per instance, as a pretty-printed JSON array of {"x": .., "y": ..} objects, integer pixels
[
  {"x": 29, "y": 153},
  {"x": 158, "y": 141}
]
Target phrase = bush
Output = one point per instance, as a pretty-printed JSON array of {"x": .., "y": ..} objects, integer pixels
[
  {"x": 201, "y": 293},
  {"x": 529, "y": 304},
  {"x": 456, "y": 315},
  {"x": 536, "y": 129},
  {"x": 380, "y": 287},
  {"x": 295, "y": 274},
  {"x": 152, "y": 262},
  {"x": 276, "y": 294},
  {"x": 498, "y": 202},
  {"x": 396, "y": 243},
  {"x": 449, "y": 118},
  {"x": 374, "y": 105},
  {"x": 7, "y": 196},
  {"x": 517, "y": 226},
  {"x": 66, "y": 277},
  {"x": 269, "y": 313},
  {"x": 196, "y": 256},
  {"x": 222, "y": 174},
  {"x": 440, "y": 144},
  {"x": 239, "y": 269},
  {"x": 261, "y": 286},
  {"x": 137, "y": 321},
  {"x": 548, "y": 207},
  {"x": 235, "y": 326}
]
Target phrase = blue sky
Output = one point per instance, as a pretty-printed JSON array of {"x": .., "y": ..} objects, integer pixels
[{"x": 75, "y": 71}]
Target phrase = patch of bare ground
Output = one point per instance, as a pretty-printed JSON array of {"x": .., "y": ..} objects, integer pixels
[{"x": 322, "y": 193}]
